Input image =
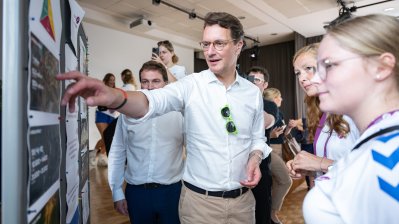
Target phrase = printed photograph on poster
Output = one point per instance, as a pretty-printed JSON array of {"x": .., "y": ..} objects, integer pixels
[
  {"x": 82, "y": 55},
  {"x": 85, "y": 203},
  {"x": 45, "y": 22},
  {"x": 45, "y": 159},
  {"x": 84, "y": 169},
  {"x": 50, "y": 212},
  {"x": 84, "y": 135},
  {"x": 77, "y": 14},
  {"x": 82, "y": 108},
  {"x": 44, "y": 88},
  {"x": 83, "y": 60}
]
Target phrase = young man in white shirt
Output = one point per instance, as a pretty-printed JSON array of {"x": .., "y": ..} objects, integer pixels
[
  {"x": 154, "y": 153},
  {"x": 225, "y": 138}
]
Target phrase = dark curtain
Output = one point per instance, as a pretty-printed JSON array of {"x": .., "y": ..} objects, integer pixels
[
  {"x": 277, "y": 59},
  {"x": 199, "y": 64}
]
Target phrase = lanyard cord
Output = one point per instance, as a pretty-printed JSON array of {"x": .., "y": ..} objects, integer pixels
[{"x": 378, "y": 133}]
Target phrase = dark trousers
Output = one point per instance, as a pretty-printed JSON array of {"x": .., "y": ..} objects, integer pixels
[
  {"x": 153, "y": 206},
  {"x": 263, "y": 194}
]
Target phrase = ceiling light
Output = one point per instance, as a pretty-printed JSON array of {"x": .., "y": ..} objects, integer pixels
[{"x": 389, "y": 9}]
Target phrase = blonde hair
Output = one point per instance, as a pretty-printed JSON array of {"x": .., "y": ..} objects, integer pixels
[
  {"x": 128, "y": 78},
  {"x": 369, "y": 35},
  {"x": 313, "y": 112},
  {"x": 271, "y": 93},
  {"x": 168, "y": 45},
  {"x": 308, "y": 49}
]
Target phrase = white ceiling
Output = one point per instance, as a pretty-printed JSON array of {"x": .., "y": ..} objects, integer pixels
[{"x": 262, "y": 17}]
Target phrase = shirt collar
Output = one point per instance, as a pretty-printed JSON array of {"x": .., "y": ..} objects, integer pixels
[{"x": 211, "y": 77}]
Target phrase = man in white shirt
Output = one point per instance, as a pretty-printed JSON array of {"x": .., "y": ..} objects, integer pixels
[
  {"x": 224, "y": 125},
  {"x": 154, "y": 153}
]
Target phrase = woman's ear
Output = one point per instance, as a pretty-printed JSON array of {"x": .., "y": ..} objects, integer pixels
[{"x": 386, "y": 65}]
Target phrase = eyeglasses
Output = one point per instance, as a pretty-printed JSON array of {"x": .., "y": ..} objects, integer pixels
[
  {"x": 307, "y": 69},
  {"x": 325, "y": 65},
  {"x": 258, "y": 80},
  {"x": 217, "y": 44},
  {"x": 230, "y": 126}
]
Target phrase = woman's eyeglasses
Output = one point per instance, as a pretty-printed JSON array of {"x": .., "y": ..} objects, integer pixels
[
  {"x": 230, "y": 126},
  {"x": 323, "y": 66}
]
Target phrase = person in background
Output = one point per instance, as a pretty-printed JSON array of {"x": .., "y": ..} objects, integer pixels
[
  {"x": 358, "y": 75},
  {"x": 169, "y": 59},
  {"x": 262, "y": 191},
  {"x": 225, "y": 139},
  {"x": 298, "y": 129},
  {"x": 104, "y": 117},
  {"x": 332, "y": 135},
  {"x": 129, "y": 83},
  {"x": 153, "y": 151},
  {"x": 281, "y": 180}
]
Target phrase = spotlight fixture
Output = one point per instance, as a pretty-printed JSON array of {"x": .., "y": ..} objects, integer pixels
[
  {"x": 254, "y": 53},
  {"x": 192, "y": 15},
  {"x": 156, "y": 2}
]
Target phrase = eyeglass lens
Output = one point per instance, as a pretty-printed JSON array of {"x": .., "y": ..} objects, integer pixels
[
  {"x": 225, "y": 112},
  {"x": 231, "y": 127}
]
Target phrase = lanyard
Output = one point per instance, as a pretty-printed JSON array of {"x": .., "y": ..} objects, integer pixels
[
  {"x": 381, "y": 117},
  {"x": 318, "y": 131},
  {"x": 380, "y": 132}
]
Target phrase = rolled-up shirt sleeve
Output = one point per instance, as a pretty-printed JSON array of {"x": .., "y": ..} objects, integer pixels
[{"x": 161, "y": 101}]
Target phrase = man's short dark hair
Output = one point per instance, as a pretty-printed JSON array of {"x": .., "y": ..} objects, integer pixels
[
  {"x": 226, "y": 21},
  {"x": 262, "y": 70},
  {"x": 154, "y": 66}
]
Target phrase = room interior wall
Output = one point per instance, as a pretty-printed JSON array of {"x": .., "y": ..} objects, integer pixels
[{"x": 112, "y": 51}]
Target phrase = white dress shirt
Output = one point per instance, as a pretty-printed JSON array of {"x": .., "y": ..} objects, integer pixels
[
  {"x": 362, "y": 187},
  {"x": 128, "y": 87},
  {"x": 337, "y": 147},
  {"x": 178, "y": 71},
  {"x": 153, "y": 149},
  {"x": 216, "y": 160}
]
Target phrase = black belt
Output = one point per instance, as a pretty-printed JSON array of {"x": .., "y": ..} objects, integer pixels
[
  {"x": 149, "y": 185},
  {"x": 223, "y": 194}
]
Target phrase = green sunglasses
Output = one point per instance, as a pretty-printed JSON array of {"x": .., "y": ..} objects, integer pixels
[{"x": 230, "y": 126}]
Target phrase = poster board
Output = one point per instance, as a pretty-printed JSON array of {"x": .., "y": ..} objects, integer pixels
[{"x": 56, "y": 139}]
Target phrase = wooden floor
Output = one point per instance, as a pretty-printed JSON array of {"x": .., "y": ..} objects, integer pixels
[
  {"x": 102, "y": 211},
  {"x": 101, "y": 204}
]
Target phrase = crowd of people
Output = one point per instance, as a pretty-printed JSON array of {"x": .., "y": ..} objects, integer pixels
[{"x": 224, "y": 124}]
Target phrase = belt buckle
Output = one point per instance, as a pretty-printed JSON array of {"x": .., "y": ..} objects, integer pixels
[{"x": 150, "y": 186}]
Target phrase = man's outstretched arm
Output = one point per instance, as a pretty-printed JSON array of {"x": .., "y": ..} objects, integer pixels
[{"x": 97, "y": 93}]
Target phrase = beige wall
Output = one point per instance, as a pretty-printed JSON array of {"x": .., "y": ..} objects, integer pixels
[{"x": 112, "y": 51}]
